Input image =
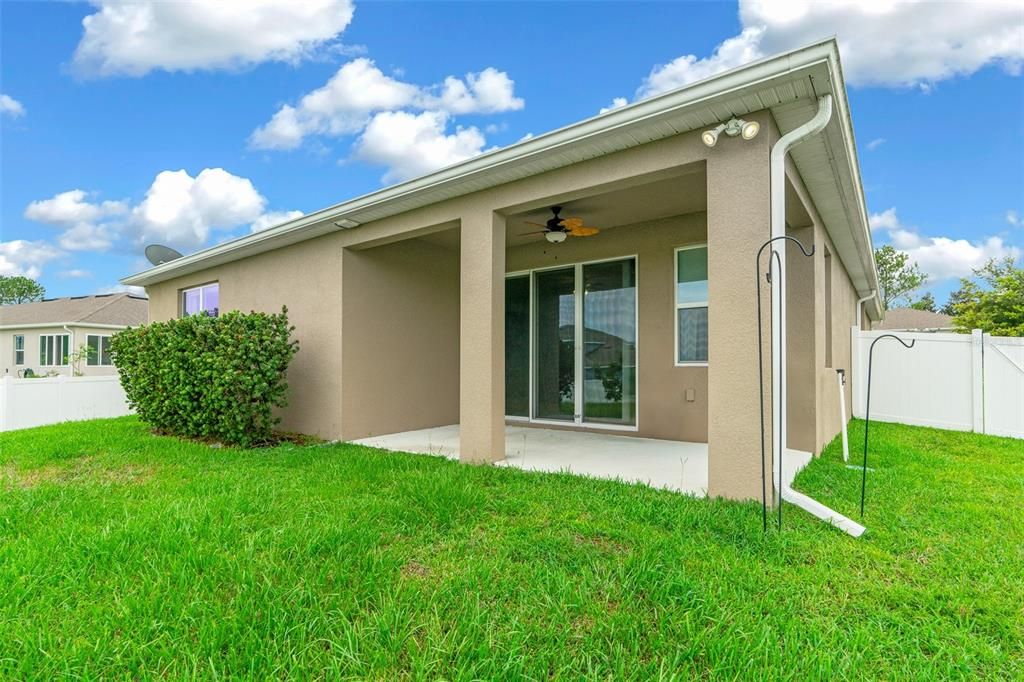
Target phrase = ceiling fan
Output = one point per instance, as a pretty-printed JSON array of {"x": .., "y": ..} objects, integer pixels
[{"x": 556, "y": 229}]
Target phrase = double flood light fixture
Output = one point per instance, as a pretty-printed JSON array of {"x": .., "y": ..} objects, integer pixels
[{"x": 734, "y": 126}]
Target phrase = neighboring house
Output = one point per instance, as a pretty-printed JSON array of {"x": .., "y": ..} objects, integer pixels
[
  {"x": 436, "y": 301},
  {"x": 912, "y": 320},
  {"x": 43, "y": 336}
]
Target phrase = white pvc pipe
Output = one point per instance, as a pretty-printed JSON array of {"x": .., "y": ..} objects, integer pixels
[
  {"x": 842, "y": 417},
  {"x": 778, "y": 229}
]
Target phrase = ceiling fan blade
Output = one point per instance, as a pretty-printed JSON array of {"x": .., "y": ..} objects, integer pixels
[
  {"x": 530, "y": 222},
  {"x": 584, "y": 231},
  {"x": 530, "y": 234},
  {"x": 572, "y": 223}
]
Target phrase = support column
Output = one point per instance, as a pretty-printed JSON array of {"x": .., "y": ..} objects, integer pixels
[
  {"x": 482, "y": 337},
  {"x": 739, "y": 221}
]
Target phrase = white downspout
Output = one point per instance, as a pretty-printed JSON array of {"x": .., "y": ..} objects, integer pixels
[
  {"x": 778, "y": 229},
  {"x": 860, "y": 306}
]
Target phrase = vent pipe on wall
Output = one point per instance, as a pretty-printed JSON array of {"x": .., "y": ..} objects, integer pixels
[{"x": 778, "y": 229}]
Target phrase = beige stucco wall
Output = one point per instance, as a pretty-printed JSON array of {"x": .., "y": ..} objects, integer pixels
[
  {"x": 400, "y": 354},
  {"x": 662, "y": 408},
  {"x": 78, "y": 339},
  {"x": 305, "y": 277}
]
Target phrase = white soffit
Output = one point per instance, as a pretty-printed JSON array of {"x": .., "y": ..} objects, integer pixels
[{"x": 787, "y": 84}]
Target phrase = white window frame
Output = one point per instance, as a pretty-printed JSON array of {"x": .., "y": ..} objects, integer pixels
[
  {"x": 99, "y": 351},
  {"x": 577, "y": 421},
  {"x": 57, "y": 356},
  {"x": 17, "y": 338},
  {"x": 677, "y": 306},
  {"x": 202, "y": 297}
]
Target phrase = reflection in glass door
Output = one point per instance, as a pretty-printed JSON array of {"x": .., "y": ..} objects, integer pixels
[
  {"x": 554, "y": 344},
  {"x": 609, "y": 342},
  {"x": 517, "y": 346}
]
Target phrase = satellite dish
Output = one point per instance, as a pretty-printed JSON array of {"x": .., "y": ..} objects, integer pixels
[{"x": 158, "y": 254}]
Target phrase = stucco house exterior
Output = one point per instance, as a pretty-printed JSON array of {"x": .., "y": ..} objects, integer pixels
[
  {"x": 440, "y": 301},
  {"x": 41, "y": 336}
]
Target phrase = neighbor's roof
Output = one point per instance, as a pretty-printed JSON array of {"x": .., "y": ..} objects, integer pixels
[
  {"x": 910, "y": 319},
  {"x": 788, "y": 84},
  {"x": 121, "y": 310}
]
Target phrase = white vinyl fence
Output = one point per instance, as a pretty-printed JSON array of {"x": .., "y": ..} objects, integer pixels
[
  {"x": 967, "y": 382},
  {"x": 34, "y": 402}
]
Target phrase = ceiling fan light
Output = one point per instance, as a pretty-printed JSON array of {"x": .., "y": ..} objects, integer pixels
[{"x": 555, "y": 236}]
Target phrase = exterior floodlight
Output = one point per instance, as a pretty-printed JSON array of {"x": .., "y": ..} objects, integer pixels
[
  {"x": 555, "y": 236},
  {"x": 748, "y": 130},
  {"x": 710, "y": 137}
]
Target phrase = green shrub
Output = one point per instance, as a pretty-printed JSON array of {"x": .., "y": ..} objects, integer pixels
[{"x": 208, "y": 377}]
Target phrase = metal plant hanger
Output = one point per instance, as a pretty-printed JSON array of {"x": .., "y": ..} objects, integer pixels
[
  {"x": 760, "y": 364},
  {"x": 867, "y": 414}
]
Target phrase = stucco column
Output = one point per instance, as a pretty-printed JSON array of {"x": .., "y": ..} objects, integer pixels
[
  {"x": 738, "y": 223},
  {"x": 482, "y": 337}
]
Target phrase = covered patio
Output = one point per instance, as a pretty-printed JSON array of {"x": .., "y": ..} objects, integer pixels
[{"x": 665, "y": 464}]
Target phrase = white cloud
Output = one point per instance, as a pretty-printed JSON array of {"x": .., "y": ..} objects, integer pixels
[
  {"x": 876, "y": 143},
  {"x": 182, "y": 211},
  {"x": 893, "y": 44},
  {"x": 11, "y": 107},
  {"x": 1013, "y": 218},
  {"x": 22, "y": 257},
  {"x": 346, "y": 103},
  {"x": 617, "y": 103},
  {"x": 74, "y": 274},
  {"x": 123, "y": 289},
  {"x": 87, "y": 237},
  {"x": 941, "y": 257},
  {"x": 687, "y": 69},
  {"x": 272, "y": 218},
  {"x": 413, "y": 144},
  {"x": 488, "y": 92},
  {"x": 70, "y": 208},
  {"x": 886, "y": 220},
  {"x": 134, "y": 38}
]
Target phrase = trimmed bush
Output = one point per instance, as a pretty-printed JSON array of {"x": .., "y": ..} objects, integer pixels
[{"x": 208, "y": 377}]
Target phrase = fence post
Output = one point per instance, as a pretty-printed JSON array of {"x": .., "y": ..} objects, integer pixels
[
  {"x": 855, "y": 373},
  {"x": 5, "y": 399},
  {"x": 978, "y": 380}
]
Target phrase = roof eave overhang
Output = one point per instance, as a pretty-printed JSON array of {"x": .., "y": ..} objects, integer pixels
[{"x": 736, "y": 92}]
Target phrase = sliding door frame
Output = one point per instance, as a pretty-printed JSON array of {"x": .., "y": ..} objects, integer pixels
[{"x": 579, "y": 384}]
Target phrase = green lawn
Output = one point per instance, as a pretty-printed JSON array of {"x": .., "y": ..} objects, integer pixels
[{"x": 128, "y": 555}]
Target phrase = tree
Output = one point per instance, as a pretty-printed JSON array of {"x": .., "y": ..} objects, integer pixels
[
  {"x": 897, "y": 276},
  {"x": 20, "y": 290},
  {"x": 926, "y": 302},
  {"x": 956, "y": 298},
  {"x": 998, "y": 307}
]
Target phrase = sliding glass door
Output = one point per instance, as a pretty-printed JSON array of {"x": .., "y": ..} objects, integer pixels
[
  {"x": 554, "y": 354},
  {"x": 609, "y": 342},
  {"x": 570, "y": 344}
]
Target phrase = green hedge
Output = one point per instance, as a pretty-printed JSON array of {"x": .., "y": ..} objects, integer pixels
[{"x": 208, "y": 377}]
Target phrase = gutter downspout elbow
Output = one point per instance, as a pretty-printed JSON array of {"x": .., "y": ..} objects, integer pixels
[
  {"x": 778, "y": 229},
  {"x": 860, "y": 306}
]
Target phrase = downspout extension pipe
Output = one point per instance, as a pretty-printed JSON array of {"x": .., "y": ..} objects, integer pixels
[
  {"x": 778, "y": 229},
  {"x": 860, "y": 306}
]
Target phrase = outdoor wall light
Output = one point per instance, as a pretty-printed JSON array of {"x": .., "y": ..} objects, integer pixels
[{"x": 735, "y": 126}]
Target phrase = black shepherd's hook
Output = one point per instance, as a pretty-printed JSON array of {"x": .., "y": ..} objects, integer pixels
[
  {"x": 867, "y": 414},
  {"x": 760, "y": 365}
]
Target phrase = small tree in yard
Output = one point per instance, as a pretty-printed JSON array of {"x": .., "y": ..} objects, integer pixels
[
  {"x": 208, "y": 377},
  {"x": 897, "y": 276},
  {"x": 998, "y": 308},
  {"x": 926, "y": 302}
]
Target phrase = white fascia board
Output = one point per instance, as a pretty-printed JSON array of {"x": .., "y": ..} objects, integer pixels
[
  {"x": 420, "y": 191},
  {"x": 45, "y": 325}
]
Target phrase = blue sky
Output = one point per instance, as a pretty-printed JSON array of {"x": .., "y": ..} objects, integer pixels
[{"x": 194, "y": 127}]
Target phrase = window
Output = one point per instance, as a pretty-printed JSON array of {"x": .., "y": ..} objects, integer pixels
[
  {"x": 54, "y": 349},
  {"x": 99, "y": 350},
  {"x": 692, "y": 305},
  {"x": 204, "y": 299},
  {"x": 19, "y": 349}
]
